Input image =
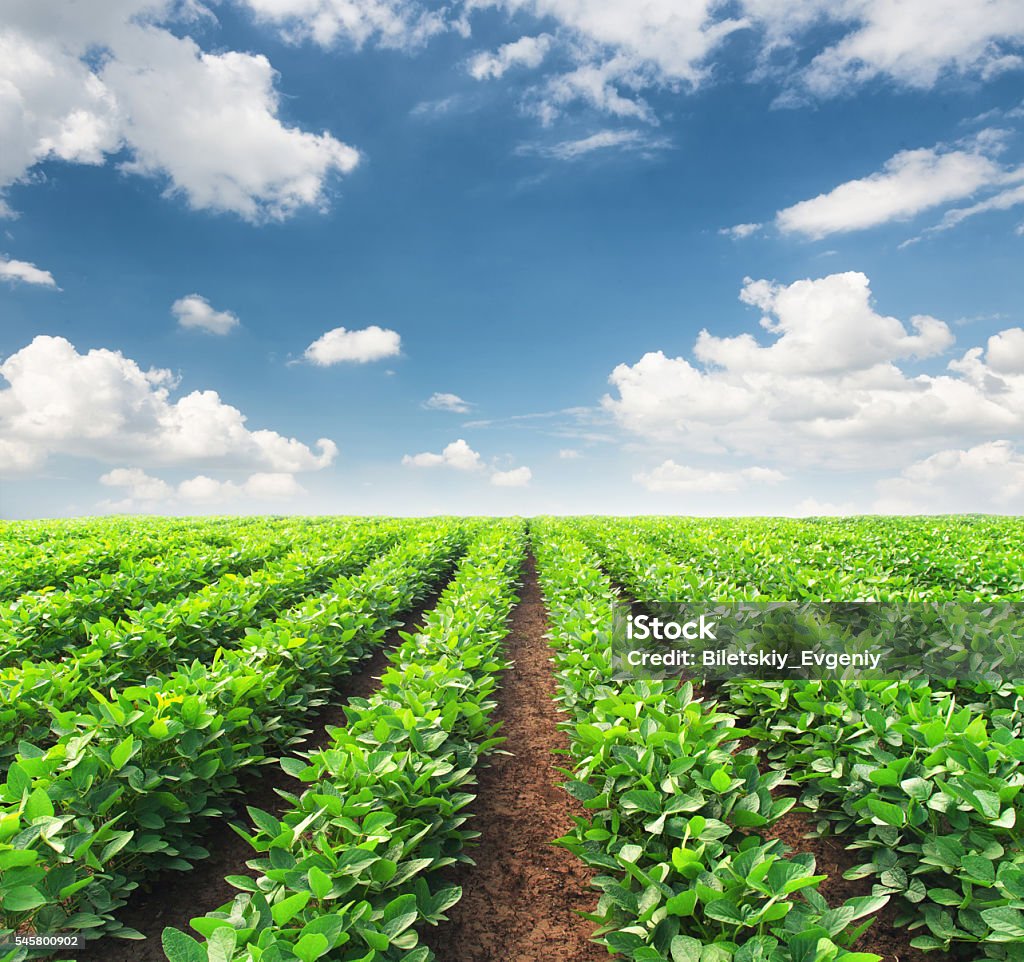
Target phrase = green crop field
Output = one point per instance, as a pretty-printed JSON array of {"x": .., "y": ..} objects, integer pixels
[{"x": 317, "y": 702}]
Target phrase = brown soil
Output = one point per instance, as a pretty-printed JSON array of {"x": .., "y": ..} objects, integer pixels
[
  {"x": 520, "y": 900},
  {"x": 173, "y": 898},
  {"x": 884, "y": 938}
]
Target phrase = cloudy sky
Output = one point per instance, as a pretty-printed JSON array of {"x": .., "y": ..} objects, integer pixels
[{"x": 511, "y": 256}]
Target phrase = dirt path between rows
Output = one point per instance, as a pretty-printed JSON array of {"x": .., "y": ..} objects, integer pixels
[
  {"x": 173, "y": 898},
  {"x": 520, "y": 900}
]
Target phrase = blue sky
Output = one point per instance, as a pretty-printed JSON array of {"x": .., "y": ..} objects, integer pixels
[{"x": 697, "y": 258}]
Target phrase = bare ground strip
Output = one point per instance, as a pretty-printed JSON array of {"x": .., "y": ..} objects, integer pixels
[{"x": 520, "y": 901}]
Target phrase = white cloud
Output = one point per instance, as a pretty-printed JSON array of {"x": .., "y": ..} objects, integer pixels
[
  {"x": 145, "y": 492},
  {"x": 913, "y": 43},
  {"x": 458, "y": 455},
  {"x": 80, "y": 84},
  {"x": 515, "y": 478},
  {"x": 440, "y": 401},
  {"x": 194, "y": 311},
  {"x": 524, "y": 52},
  {"x": 598, "y": 85},
  {"x": 619, "y": 49},
  {"x": 1004, "y": 200},
  {"x": 602, "y": 140},
  {"x": 910, "y": 182},
  {"x": 139, "y": 485},
  {"x": 669, "y": 40},
  {"x": 262, "y": 486},
  {"x": 827, "y": 391},
  {"x": 569, "y": 454},
  {"x": 813, "y": 508},
  {"x": 1005, "y": 351},
  {"x": 669, "y": 476},
  {"x": 25, "y": 273},
  {"x": 986, "y": 477},
  {"x": 397, "y": 24},
  {"x": 372, "y": 343},
  {"x": 102, "y": 405},
  {"x": 740, "y": 231}
]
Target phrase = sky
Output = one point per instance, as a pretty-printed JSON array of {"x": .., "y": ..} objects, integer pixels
[{"x": 511, "y": 257}]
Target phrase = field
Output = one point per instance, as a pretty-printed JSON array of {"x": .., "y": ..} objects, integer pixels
[{"x": 278, "y": 739}]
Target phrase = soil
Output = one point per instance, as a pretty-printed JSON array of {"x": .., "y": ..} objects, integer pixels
[
  {"x": 520, "y": 901},
  {"x": 173, "y": 898},
  {"x": 884, "y": 938}
]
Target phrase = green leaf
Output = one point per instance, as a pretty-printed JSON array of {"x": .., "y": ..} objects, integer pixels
[
  {"x": 221, "y": 945},
  {"x": 311, "y": 947},
  {"x": 887, "y": 812},
  {"x": 1006, "y": 923},
  {"x": 285, "y": 910},
  {"x": 23, "y": 898},
  {"x": 722, "y": 910},
  {"x": 320, "y": 883},
  {"x": 720, "y": 781},
  {"x": 399, "y": 915},
  {"x": 685, "y": 949},
  {"x": 179, "y": 947},
  {"x": 682, "y": 904},
  {"x": 120, "y": 755},
  {"x": 38, "y": 805},
  {"x": 643, "y": 801}
]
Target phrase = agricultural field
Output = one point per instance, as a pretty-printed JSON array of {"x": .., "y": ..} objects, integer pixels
[{"x": 393, "y": 740}]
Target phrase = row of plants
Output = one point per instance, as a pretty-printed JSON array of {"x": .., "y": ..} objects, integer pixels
[
  {"x": 742, "y": 559},
  {"x": 44, "y": 623},
  {"x": 921, "y": 777},
  {"x": 674, "y": 809},
  {"x": 926, "y": 791},
  {"x": 194, "y": 622},
  {"x": 35, "y": 695},
  {"x": 136, "y": 773},
  {"x": 349, "y": 871},
  {"x": 105, "y": 546}
]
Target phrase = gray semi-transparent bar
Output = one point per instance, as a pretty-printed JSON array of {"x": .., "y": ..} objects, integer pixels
[{"x": 979, "y": 642}]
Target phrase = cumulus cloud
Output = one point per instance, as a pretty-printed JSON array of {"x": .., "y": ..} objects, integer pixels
[
  {"x": 1005, "y": 351},
  {"x": 524, "y": 52},
  {"x": 138, "y": 485},
  {"x": 103, "y": 405},
  {"x": 458, "y": 455},
  {"x": 669, "y": 40},
  {"x": 515, "y": 478},
  {"x": 144, "y": 492},
  {"x": 80, "y": 85},
  {"x": 669, "y": 476},
  {"x": 439, "y": 401},
  {"x": 569, "y": 454},
  {"x": 910, "y": 182},
  {"x": 827, "y": 390},
  {"x": 396, "y": 24},
  {"x": 372, "y": 343},
  {"x": 913, "y": 43},
  {"x": 23, "y": 272},
  {"x": 195, "y": 311},
  {"x": 986, "y": 477},
  {"x": 616, "y": 51},
  {"x": 740, "y": 231}
]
